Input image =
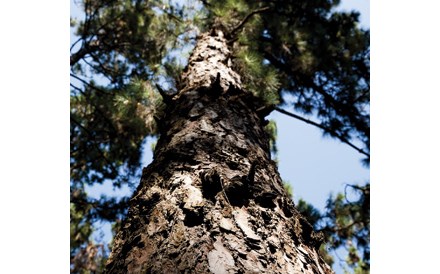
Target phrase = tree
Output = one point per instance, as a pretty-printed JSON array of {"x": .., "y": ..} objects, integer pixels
[
  {"x": 345, "y": 223},
  {"x": 127, "y": 41},
  {"x": 212, "y": 200}
]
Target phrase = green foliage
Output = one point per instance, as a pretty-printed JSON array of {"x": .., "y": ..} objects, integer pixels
[
  {"x": 85, "y": 256},
  {"x": 107, "y": 131},
  {"x": 324, "y": 252},
  {"x": 80, "y": 228},
  {"x": 258, "y": 77},
  {"x": 227, "y": 13},
  {"x": 322, "y": 60},
  {"x": 271, "y": 130},
  {"x": 288, "y": 188},
  {"x": 313, "y": 214},
  {"x": 345, "y": 223},
  {"x": 349, "y": 223}
]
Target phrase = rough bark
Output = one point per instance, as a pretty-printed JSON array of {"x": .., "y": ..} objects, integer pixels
[{"x": 212, "y": 201}]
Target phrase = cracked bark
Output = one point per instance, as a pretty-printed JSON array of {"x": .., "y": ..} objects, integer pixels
[{"x": 212, "y": 200}]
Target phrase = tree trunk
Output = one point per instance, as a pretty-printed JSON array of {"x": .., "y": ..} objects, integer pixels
[{"x": 212, "y": 201}]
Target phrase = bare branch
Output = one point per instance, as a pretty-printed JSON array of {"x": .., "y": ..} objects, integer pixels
[
  {"x": 241, "y": 24},
  {"x": 76, "y": 42},
  {"x": 334, "y": 133}
]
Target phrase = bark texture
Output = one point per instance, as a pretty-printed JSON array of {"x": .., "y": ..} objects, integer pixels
[{"x": 212, "y": 201}]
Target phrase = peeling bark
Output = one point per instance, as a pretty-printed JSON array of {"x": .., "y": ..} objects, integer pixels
[{"x": 212, "y": 201}]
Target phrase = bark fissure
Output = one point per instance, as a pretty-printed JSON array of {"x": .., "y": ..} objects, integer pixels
[{"x": 212, "y": 201}]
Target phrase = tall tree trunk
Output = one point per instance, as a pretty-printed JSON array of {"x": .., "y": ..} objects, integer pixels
[{"x": 212, "y": 201}]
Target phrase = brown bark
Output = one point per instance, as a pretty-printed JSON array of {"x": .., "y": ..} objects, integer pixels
[{"x": 212, "y": 201}]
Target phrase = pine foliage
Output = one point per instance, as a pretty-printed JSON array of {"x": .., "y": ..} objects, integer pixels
[
  {"x": 323, "y": 62},
  {"x": 345, "y": 223}
]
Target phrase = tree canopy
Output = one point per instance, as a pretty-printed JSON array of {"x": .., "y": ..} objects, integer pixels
[{"x": 298, "y": 54}]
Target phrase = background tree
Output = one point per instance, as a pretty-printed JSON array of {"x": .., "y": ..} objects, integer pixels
[
  {"x": 127, "y": 53},
  {"x": 345, "y": 223}
]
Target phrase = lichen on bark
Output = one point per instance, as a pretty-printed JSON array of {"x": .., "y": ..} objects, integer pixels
[{"x": 212, "y": 200}]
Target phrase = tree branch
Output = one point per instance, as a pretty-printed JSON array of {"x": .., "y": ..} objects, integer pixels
[
  {"x": 340, "y": 109},
  {"x": 341, "y": 138},
  {"x": 88, "y": 84},
  {"x": 76, "y": 42},
  {"x": 241, "y": 24},
  {"x": 83, "y": 51},
  {"x": 96, "y": 145}
]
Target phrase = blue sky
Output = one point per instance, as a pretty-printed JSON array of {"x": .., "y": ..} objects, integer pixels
[{"x": 314, "y": 166}]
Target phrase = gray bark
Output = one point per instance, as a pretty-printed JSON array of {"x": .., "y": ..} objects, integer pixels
[{"x": 212, "y": 201}]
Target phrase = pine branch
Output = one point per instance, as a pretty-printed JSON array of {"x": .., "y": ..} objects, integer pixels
[
  {"x": 241, "y": 24},
  {"x": 88, "y": 84},
  {"x": 81, "y": 53},
  {"x": 76, "y": 42},
  {"x": 107, "y": 72},
  {"x": 334, "y": 133},
  {"x": 358, "y": 188},
  {"x": 104, "y": 116},
  {"x": 339, "y": 108},
  {"x": 96, "y": 145}
]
